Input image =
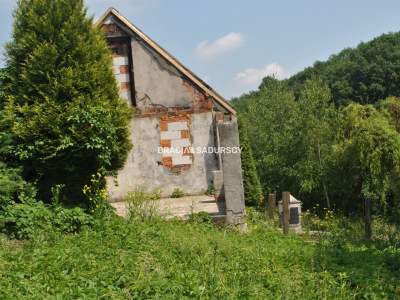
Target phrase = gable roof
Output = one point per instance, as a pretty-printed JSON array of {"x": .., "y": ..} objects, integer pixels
[{"x": 168, "y": 57}]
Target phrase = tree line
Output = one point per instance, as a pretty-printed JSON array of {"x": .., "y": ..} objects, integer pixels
[{"x": 326, "y": 134}]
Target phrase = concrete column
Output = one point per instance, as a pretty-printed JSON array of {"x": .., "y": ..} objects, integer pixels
[{"x": 232, "y": 172}]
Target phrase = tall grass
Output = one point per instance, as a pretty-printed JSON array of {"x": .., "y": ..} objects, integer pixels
[{"x": 151, "y": 258}]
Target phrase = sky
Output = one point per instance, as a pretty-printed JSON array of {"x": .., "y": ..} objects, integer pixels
[{"x": 233, "y": 44}]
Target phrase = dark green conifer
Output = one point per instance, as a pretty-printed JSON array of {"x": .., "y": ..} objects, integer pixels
[
  {"x": 252, "y": 188},
  {"x": 66, "y": 117}
]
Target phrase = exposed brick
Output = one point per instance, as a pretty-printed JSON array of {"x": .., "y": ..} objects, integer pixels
[
  {"x": 219, "y": 116},
  {"x": 163, "y": 125},
  {"x": 167, "y": 162},
  {"x": 125, "y": 86},
  {"x": 185, "y": 134},
  {"x": 165, "y": 143},
  {"x": 124, "y": 69}
]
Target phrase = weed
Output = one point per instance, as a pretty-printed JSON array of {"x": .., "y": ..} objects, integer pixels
[{"x": 177, "y": 193}]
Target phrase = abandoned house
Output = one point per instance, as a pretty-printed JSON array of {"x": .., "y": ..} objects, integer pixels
[{"x": 174, "y": 109}]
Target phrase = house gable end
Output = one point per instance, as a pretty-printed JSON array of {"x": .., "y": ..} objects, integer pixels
[{"x": 153, "y": 63}]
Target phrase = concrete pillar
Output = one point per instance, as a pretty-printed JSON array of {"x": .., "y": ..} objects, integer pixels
[{"x": 232, "y": 172}]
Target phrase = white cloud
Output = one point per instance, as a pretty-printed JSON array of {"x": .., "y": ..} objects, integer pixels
[
  {"x": 228, "y": 42},
  {"x": 252, "y": 76}
]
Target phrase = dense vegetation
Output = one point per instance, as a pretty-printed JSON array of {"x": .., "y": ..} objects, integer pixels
[
  {"x": 317, "y": 135},
  {"x": 122, "y": 259},
  {"x": 365, "y": 74}
]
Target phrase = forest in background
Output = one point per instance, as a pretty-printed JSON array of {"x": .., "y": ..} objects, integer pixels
[{"x": 329, "y": 134}]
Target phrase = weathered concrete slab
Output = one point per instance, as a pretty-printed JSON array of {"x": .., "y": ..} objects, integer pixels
[{"x": 179, "y": 207}]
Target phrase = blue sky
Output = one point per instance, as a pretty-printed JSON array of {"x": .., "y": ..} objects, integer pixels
[{"x": 232, "y": 44}]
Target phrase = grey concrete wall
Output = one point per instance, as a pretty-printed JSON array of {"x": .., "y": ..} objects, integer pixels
[
  {"x": 156, "y": 81},
  {"x": 232, "y": 170},
  {"x": 142, "y": 167}
]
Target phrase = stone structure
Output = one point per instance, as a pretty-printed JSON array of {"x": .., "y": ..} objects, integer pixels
[{"x": 174, "y": 109}]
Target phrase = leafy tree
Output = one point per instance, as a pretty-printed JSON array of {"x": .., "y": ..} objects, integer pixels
[
  {"x": 272, "y": 113},
  {"x": 62, "y": 106},
  {"x": 391, "y": 107},
  {"x": 363, "y": 74},
  {"x": 252, "y": 186},
  {"x": 371, "y": 146},
  {"x": 317, "y": 119}
]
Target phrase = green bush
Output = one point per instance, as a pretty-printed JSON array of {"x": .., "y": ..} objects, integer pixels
[
  {"x": 69, "y": 220},
  {"x": 67, "y": 120},
  {"x": 13, "y": 187},
  {"x": 25, "y": 220}
]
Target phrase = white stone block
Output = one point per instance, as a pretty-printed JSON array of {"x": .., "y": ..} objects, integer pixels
[
  {"x": 181, "y": 160},
  {"x": 177, "y": 126},
  {"x": 120, "y": 61},
  {"x": 116, "y": 70},
  {"x": 180, "y": 143},
  {"x": 125, "y": 95},
  {"x": 122, "y": 77},
  {"x": 170, "y": 135}
]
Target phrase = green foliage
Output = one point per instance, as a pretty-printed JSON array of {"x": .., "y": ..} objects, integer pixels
[
  {"x": 272, "y": 113},
  {"x": 13, "y": 188},
  {"x": 3, "y": 82},
  {"x": 201, "y": 217},
  {"x": 291, "y": 140},
  {"x": 317, "y": 120},
  {"x": 370, "y": 145},
  {"x": 365, "y": 74},
  {"x": 252, "y": 187},
  {"x": 177, "y": 193},
  {"x": 96, "y": 193},
  {"x": 391, "y": 107},
  {"x": 210, "y": 190},
  {"x": 62, "y": 108},
  {"x": 177, "y": 260},
  {"x": 26, "y": 220},
  {"x": 332, "y": 156},
  {"x": 141, "y": 204}
]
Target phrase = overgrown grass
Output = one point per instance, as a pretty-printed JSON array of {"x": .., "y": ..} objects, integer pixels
[{"x": 124, "y": 259}]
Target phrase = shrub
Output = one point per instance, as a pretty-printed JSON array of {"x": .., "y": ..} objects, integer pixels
[
  {"x": 69, "y": 220},
  {"x": 24, "y": 221},
  {"x": 13, "y": 187},
  {"x": 177, "y": 193},
  {"x": 67, "y": 120}
]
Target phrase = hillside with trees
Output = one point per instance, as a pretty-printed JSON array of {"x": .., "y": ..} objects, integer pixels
[
  {"x": 364, "y": 74},
  {"x": 330, "y": 133}
]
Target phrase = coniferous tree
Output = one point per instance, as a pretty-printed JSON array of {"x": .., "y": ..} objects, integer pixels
[
  {"x": 251, "y": 182},
  {"x": 62, "y": 105}
]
